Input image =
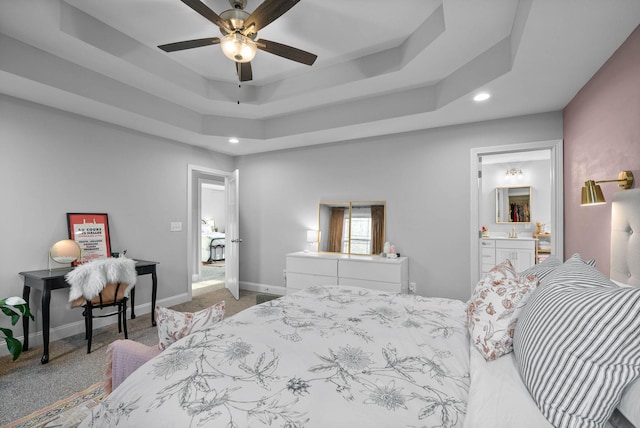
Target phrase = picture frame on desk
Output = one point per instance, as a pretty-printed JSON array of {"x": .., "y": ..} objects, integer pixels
[{"x": 91, "y": 232}]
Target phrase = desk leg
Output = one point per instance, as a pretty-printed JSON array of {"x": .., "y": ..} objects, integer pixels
[
  {"x": 26, "y": 291},
  {"x": 46, "y": 302},
  {"x": 154, "y": 293},
  {"x": 132, "y": 299}
]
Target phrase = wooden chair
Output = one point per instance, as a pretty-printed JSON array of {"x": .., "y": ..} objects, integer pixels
[
  {"x": 100, "y": 285},
  {"x": 112, "y": 296}
]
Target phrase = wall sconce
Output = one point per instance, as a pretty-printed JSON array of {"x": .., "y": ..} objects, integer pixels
[
  {"x": 592, "y": 193},
  {"x": 513, "y": 172},
  {"x": 66, "y": 251},
  {"x": 312, "y": 238}
]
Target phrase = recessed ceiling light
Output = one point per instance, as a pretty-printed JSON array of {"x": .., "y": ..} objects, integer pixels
[
  {"x": 481, "y": 96},
  {"x": 234, "y": 140}
]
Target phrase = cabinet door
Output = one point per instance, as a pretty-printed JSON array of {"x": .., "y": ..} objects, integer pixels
[{"x": 521, "y": 258}]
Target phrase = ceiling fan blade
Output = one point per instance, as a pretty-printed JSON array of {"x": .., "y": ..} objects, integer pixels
[
  {"x": 287, "y": 52},
  {"x": 204, "y": 10},
  {"x": 266, "y": 13},
  {"x": 189, "y": 44},
  {"x": 244, "y": 71}
]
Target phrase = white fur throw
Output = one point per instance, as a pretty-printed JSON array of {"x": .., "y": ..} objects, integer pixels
[{"x": 88, "y": 279}]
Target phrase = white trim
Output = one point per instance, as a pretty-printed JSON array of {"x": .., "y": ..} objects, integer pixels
[
  {"x": 191, "y": 169},
  {"x": 557, "y": 195},
  {"x": 263, "y": 288}
]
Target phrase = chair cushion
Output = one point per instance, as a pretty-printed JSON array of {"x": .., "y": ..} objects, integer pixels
[{"x": 111, "y": 293}]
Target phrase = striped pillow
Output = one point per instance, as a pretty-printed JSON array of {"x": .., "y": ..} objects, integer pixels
[
  {"x": 577, "y": 345},
  {"x": 542, "y": 270}
]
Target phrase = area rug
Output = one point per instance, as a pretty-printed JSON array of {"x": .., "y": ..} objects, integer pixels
[
  {"x": 67, "y": 413},
  {"x": 212, "y": 272}
]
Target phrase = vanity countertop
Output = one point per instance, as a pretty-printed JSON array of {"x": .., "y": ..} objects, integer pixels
[{"x": 519, "y": 238}]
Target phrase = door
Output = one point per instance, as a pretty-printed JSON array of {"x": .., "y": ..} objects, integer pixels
[
  {"x": 232, "y": 237},
  {"x": 195, "y": 175}
]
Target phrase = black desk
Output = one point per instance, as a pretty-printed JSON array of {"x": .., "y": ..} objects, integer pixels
[{"x": 46, "y": 280}]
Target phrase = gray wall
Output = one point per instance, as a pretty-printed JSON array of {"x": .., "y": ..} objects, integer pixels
[
  {"x": 423, "y": 176},
  {"x": 52, "y": 162},
  {"x": 213, "y": 207}
]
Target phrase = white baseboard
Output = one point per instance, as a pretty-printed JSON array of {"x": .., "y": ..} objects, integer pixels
[
  {"x": 263, "y": 288},
  {"x": 77, "y": 327}
]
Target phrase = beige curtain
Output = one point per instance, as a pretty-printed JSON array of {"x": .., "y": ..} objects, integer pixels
[
  {"x": 377, "y": 229},
  {"x": 335, "y": 230}
]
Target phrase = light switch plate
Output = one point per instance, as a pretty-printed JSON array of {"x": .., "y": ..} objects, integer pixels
[{"x": 176, "y": 226}]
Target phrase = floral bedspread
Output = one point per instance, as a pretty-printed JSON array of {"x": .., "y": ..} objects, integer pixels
[{"x": 325, "y": 357}]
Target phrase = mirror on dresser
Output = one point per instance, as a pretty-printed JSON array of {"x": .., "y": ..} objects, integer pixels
[
  {"x": 352, "y": 227},
  {"x": 513, "y": 204}
]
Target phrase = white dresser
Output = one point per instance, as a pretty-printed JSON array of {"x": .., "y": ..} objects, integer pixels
[
  {"x": 521, "y": 252},
  {"x": 307, "y": 269}
]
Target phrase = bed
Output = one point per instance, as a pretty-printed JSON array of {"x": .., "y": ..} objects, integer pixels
[
  {"x": 338, "y": 356},
  {"x": 213, "y": 244}
]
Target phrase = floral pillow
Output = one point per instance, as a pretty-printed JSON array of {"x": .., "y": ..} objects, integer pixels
[
  {"x": 174, "y": 325},
  {"x": 494, "y": 307}
]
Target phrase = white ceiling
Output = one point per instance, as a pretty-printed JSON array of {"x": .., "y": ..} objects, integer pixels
[{"x": 383, "y": 66}]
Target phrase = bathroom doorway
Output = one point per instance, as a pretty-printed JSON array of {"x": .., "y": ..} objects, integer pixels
[{"x": 543, "y": 160}]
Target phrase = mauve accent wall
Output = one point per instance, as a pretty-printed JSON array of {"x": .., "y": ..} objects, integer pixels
[{"x": 601, "y": 138}]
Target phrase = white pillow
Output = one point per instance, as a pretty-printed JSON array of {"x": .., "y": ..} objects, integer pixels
[
  {"x": 577, "y": 345},
  {"x": 174, "y": 325},
  {"x": 494, "y": 307}
]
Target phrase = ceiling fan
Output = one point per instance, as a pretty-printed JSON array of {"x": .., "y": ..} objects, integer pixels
[{"x": 239, "y": 30}]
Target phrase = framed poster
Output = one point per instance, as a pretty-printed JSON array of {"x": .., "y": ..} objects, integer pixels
[{"x": 91, "y": 232}]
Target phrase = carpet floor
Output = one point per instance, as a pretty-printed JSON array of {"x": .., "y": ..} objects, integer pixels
[
  {"x": 67, "y": 413},
  {"x": 27, "y": 386}
]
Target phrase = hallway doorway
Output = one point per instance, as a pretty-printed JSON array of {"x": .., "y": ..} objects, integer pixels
[
  {"x": 213, "y": 220},
  {"x": 212, "y": 254}
]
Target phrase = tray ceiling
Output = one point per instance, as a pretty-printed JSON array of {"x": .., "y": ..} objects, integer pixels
[{"x": 383, "y": 67}]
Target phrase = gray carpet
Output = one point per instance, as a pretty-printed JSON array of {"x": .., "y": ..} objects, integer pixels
[{"x": 27, "y": 386}]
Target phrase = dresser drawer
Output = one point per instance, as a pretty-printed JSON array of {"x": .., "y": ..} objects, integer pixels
[
  {"x": 300, "y": 281},
  {"x": 380, "y": 271},
  {"x": 392, "y": 287},
  {"x": 488, "y": 243},
  {"x": 325, "y": 267},
  {"x": 304, "y": 270},
  {"x": 488, "y": 256}
]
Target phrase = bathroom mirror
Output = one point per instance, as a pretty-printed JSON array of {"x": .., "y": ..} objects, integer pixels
[
  {"x": 513, "y": 204},
  {"x": 352, "y": 227}
]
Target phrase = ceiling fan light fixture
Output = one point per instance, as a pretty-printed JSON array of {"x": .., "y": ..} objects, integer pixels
[{"x": 238, "y": 48}]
